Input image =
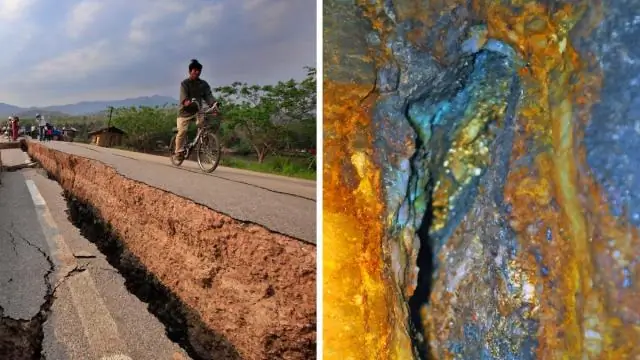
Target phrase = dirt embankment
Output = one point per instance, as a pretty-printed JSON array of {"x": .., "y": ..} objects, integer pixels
[{"x": 252, "y": 287}]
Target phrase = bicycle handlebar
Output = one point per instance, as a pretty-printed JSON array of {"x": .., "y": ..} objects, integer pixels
[{"x": 208, "y": 110}]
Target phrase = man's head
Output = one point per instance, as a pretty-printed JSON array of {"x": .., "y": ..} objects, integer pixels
[{"x": 195, "y": 68}]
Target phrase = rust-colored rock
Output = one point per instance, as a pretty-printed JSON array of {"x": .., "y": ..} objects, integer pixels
[
  {"x": 254, "y": 288},
  {"x": 486, "y": 182}
]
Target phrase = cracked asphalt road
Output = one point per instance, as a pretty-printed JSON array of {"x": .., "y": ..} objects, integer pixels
[
  {"x": 92, "y": 315},
  {"x": 22, "y": 265},
  {"x": 281, "y": 204}
]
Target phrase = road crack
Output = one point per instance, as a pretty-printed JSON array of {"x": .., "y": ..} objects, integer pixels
[
  {"x": 76, "y": 270},
  {"x": 13, "y": 168},
  {"x": 22, "y": 339},
  {"x": 44, "y": 254},
  {"x": 13, "y": 241}
]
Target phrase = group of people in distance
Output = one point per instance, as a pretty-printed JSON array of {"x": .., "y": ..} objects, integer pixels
[{"x": 45, "y": 130}]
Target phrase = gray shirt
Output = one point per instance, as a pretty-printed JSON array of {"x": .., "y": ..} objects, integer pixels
[{"x": 190, "y": 89}]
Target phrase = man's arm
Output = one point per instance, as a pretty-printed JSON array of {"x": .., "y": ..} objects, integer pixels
[
  {"x": 208, "y": 94},
  {"x": 184, "y": 100}
]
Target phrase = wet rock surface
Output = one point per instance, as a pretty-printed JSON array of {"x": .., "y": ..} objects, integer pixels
[
  {"x": 490, "y": 176},
  {"x": 223, "y": 288}
]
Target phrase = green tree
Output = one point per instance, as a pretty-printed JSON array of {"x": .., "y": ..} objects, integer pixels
[
  {"x": 145, "y": 125},
  {"x": 247, "y": 112},
  {"x": 296, "y": 110},
  {"x": 274, "y": 117}
]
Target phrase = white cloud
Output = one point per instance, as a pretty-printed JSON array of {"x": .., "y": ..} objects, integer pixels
[
  {"x": 139, "y": 35},
  {"x": 15, "y": 38},
  {"x": 16, "y": 30},
  {"x": 73, "y": 65},
  {"x": 206, "y": 16},
  {"x": 272, "y": 15},
  {"x": 13, "y": 10},
  {"x": 130, "y": 48},
  {"x": 82, "y": 16},
  {"x": 142, "y": 25},
  {"x": 250, "y": 5},
  {"x": 79, "y": 64}
]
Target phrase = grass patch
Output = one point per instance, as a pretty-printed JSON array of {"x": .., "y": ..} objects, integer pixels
[{"x": 280, "y": 165}]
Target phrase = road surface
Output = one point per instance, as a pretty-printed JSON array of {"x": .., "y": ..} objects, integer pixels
[
  {"x": 281, "y": 204},
  {"x": 92, "y": 315}
]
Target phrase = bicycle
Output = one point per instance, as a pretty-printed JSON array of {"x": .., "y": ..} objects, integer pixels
[{"x": 205, "y": 141}]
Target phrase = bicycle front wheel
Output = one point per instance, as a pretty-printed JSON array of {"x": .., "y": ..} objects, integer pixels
[{"x": 208, "y": 152}]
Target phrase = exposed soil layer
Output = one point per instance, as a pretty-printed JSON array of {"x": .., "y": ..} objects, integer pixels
[
  {"x": 243, "y": 291},
  {"x": 21, "y": 339},
  {"x": 183, "y": 325}
]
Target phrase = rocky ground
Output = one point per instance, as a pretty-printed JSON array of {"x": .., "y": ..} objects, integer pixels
[{"x": 480, "y": 157}]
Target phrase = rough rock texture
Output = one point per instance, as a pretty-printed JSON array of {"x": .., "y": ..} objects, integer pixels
[
  {"x": 254, "y": 288},
  {"x": 358, "y": 296},
  {"x": 486, "y": 152}
]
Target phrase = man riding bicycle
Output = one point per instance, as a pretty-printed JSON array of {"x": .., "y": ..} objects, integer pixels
[{"x": 190, "y": 88}]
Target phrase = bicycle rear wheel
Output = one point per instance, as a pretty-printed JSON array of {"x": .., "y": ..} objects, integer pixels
[
  {"x": 208, "y": 149},
  {"x": 172, "y": 151}
]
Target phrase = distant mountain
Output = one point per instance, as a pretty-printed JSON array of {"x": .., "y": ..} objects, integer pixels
[
  {"x": 85, "y": 107},
  {"x": 6, "y": 109},
  {"x": 90, "y": 107},
  {"x": 31, "y": 113}
]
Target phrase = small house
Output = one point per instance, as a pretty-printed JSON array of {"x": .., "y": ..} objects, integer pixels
[
  {"x": 69, "y": 133},
  {"x": 107, "y": 137}
]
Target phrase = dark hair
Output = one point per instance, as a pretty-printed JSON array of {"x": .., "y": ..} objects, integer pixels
[{"x": 195, "y": 65}]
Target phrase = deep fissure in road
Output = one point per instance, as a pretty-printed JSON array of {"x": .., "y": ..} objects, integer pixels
[
  {"x": 222, "y": 287},
  {"x": 181, "y": 323},
  {"x": 22, "y": 339}
]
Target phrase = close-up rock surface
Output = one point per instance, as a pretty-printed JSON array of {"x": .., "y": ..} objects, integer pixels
[{"x": 480, "y": 167}]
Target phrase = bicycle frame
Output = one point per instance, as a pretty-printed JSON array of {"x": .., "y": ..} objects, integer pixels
[
  {"x": 192, "y": 144},
  {"x": 203, "y": 113}
]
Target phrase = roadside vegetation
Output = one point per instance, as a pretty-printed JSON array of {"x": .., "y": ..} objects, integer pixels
[{"x": 269, "y": 128}]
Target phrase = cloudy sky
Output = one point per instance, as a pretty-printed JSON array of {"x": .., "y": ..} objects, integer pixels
[{"x": 66, "y": 51}]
